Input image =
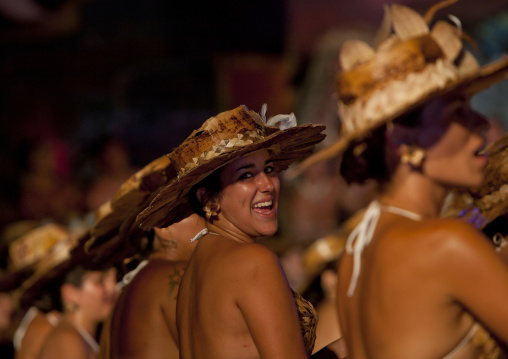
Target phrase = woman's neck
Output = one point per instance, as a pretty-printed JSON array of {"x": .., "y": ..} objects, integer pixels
[
  {"x": 78, "y": 318},
  {"x": 228, "y": 230},
  {"x": 415, "y": 192}
]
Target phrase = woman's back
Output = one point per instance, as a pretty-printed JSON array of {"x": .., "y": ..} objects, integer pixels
[
  {"x": 415, "y": 279},
  {"x": 223, "y": 305}
]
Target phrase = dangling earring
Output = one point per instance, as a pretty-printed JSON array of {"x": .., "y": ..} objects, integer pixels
[
  {"x": 70, "y": 306},
  {"x": 210, "y": 209},
  {"x": 412, "y": 155}
]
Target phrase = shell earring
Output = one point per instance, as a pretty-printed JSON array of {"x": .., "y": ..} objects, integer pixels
[
  {"x": 210, "y": 209},
  {"x": 71, "y": 306},
  {"x": 412, "y": 155}
]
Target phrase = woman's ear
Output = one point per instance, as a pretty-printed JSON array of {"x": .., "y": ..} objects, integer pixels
[
  {"x": 203, "y": 195},
  {"x": 69, "y": 293}
]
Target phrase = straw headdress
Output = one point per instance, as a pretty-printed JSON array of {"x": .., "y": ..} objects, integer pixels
[
  {"x": 220, "y": 140},
  {"x": 412, "y": 64},
  {"x": 54, "y": 261},
  {"x": 480, "y": 206},
  {"x": 26, "y": 252},
  {"x": 115, "y": 235}
]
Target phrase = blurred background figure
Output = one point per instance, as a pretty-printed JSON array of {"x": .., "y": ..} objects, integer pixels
[
  {"x": 46, "y": 190},
  {"x": 26, "y": 244},
  {"x": 113, "y": 168},
  {"x": 143, "y": 324},
  {"x": 143, "y": 320},
  {"x": 6, "y": 325},
  {"x": 84, "y": 298},
  {"x": 320, "y": 264}
]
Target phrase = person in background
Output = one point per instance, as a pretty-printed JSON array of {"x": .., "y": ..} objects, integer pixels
[
  {"x": 234, "y": 300},
  {"x": 412, "y": 284},
  {"x": 26, "y": 244},
  {"x": 113, "y": 169},
  {"x": 320, "y": 262},
  {"x": 153, "y": 286},
  {"x": 83, "y": 297},
  {"x": 143, "y": 321},
  {"x": 47, "y": 191}
]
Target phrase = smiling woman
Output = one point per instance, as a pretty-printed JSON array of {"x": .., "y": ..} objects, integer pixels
[{"x": 234, "y": 300}]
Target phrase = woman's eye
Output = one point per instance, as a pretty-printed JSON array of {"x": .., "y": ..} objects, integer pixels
[
  {"x": 245, "y": 175},
  {"x": 269, "y": 169}
]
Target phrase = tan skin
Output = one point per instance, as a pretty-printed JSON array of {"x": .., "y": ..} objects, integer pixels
[
  {"x": 421, "y": 281},
  {"x": 143, "y": 323},
  {"x": 92, "y": 303},
  {"x": 234, "y": 300},
  {"x": 35, "y": 335},
  {"x": 327, "y": 329}
]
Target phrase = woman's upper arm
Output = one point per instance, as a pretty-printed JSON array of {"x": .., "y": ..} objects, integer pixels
[
  {"x": 63, "y": 346},
  {"x": 267, "y": 304},
  {"x": 478, "y": 279}
]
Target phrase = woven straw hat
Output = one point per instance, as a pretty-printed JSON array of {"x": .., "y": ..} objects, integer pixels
[
  {"x": 408, "y": 68},
  {"x": 220, "y": 140},
  {"x": 26, "y": 252},
  {"x": 52, "y": 263},
  {"x": 480, "y": 206},
  {"x": 115, "y": 235}
]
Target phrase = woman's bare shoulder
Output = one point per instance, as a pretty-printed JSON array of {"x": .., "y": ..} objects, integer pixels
[
  {"x": 64, "y": 342},
  {"x": 446, "y": 231},
  {"x": 448, "y": 241},
  {"x": 255, "y": 254}
]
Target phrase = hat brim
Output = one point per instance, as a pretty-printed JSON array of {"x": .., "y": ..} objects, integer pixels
[
  {"x": 172, "y": 203},
  {"x": 487, "y": 76},
  {"x": 11, "y": 280},
  {"x": 113, "y": 238}
]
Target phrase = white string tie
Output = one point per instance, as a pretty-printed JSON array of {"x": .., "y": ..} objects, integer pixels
[
  {"x": 201, "y": 234},
  {"x": 360, "y": 238}
]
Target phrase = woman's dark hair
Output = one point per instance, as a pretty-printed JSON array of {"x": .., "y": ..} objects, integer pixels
[
  {"x": 366, "y": 158},
  {"x": 212, "y": 183},
  {"x": 50, "y": 298},
  {"x": 75, "y": 276}
]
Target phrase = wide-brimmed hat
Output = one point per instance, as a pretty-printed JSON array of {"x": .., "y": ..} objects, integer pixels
[
  {"x": 220, "y": 140},
  {"x": 54, "y": 261},
  {"x": 26, "y": 252},
  {"x": 480, "y": 206},
  {"x": 115, "y": 235},
  {"x": 412, "y": 65}
]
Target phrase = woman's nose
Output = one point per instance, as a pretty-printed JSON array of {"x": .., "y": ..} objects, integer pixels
[
  {"x": 477, "y": 121},
  {"x": 265, "y": 183}
]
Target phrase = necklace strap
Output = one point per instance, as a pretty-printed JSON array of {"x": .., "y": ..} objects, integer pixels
[
  {"x": 201, "y": 234},
  {"x": 129, "y": 276},
  {"x": 402, "y": 212},
  {"x": 86, "y": 336}
]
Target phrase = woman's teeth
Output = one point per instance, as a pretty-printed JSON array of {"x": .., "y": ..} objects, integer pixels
[{"x": 262, "y": 204}]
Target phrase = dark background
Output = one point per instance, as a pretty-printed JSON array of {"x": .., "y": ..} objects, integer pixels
[{"x": 150, "y": 71}]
